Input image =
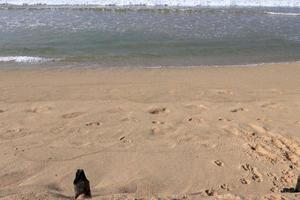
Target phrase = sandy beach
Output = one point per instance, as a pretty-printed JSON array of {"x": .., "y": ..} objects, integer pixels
[{"x": 169, "y": 133}]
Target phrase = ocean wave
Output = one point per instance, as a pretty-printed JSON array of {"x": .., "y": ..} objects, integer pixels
[
  {"x": 281, "y": 13},
  {"x": 24, "y": 59},
  {"x": 265, "y": 3}
]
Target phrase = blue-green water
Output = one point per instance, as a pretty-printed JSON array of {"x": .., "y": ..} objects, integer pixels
[{"x": 142, "y": 36}]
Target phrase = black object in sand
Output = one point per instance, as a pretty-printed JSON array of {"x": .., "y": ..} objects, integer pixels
[{"x": 81, "y": 185}]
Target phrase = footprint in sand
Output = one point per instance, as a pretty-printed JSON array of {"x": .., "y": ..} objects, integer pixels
[
  {"x": 155, "y": 111},
  {"x": 264, "y": 152},
  {"x": 72, "y": 115},
  {"x": 274, "y": 147}
]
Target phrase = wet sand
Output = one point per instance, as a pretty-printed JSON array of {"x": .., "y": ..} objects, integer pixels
[{"x": 196, "y": 133}]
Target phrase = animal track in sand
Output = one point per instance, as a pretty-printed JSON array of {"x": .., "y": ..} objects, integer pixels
[
  {"x": 158, "y": 122},
  {"x": 275, "y": 181},
  {"x": 245, "y": 181},
  {"x": 210, "y": 192},
  {"x": 224, "y": 119},
  {"x": 254, "y": 173},
  {"x": 93, "y": 124},
  {"x": 155, "y": 111},
  {"x": 238, "y": 110},
  {"x": 225, "y": 187},
  {"x": 219, "y": 163},
  {"x": 125, "y": 140},
  {"x": 274, "y": 197},
  {"x": 195, "y": 119},
  {"x": 263, "y": 119},
  {"x": 72, "y": 115},
  {"x": 222, "y": 92}
]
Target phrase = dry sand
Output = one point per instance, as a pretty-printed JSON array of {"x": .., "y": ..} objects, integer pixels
[{"x": 198, "y": 133}]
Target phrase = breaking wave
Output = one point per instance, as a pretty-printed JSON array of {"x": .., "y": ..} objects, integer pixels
[
  {"x": 264, "y": 3},
  {"x": 282, "y": 13},
  {"x": 24, "y": 59}
]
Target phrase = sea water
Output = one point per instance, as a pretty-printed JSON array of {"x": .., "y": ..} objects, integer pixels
[
  {"x": 270, "y": 3},
  {"x": 148, "y": 35}
]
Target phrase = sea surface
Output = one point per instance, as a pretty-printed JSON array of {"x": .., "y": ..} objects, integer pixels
[
  {"x": 147, "y": 35},
  {"x": 268, "y": 3}
]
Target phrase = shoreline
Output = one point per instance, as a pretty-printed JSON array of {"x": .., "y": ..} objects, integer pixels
[{"x": 46, "y": 66}]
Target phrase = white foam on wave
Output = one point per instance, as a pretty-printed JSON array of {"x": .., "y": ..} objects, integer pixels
[
  {"x": 24, "y": 59},
  {"x": 281, "y": 13},
  {"x": 266, "y": 3}
]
